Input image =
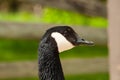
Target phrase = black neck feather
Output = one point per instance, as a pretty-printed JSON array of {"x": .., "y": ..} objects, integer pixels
[{"x": 49, "y": 62}]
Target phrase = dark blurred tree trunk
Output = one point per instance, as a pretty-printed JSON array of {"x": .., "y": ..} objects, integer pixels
[
  {"x": 9, "y": 5},
  {"x": 14, "y": 4},
  {"x": 88, "y": 7},
  {"x": 114, "y": 38}
]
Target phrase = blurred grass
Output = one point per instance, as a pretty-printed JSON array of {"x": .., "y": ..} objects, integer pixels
[
  {"x": 18, "y": 17},
  {"x": 86, "y": 52},
  {"x": 11, "y": 50},
  {"x": 55, "y": 16},
  {"x": 15, "y": 50},
  {"x": 95, "y": 76}
]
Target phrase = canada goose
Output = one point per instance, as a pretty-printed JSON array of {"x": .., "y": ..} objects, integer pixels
[{"x": 54, "y": 41}]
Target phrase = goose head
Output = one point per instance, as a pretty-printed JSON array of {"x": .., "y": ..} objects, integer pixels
[{"x": 66, "y": 38}]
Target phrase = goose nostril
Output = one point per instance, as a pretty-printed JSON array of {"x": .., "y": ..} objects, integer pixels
[{"x": 83, "y": 39}]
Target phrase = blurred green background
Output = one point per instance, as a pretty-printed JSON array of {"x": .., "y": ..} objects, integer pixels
[{"x": 13, "y": 50}]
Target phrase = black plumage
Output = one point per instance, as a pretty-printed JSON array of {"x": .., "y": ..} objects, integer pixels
[{"x": 49, "y": 62}]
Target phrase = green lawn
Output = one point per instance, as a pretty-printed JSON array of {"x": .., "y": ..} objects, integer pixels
[
  {"x": 14, "y": 50},
  {"x": 55, "y": 16},
  {"x": 19, "y": 17},
  {"x": 97, "y": 76}
]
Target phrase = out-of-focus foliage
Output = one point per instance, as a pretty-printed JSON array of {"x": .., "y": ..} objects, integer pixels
[
  {"x": 15, "y": 50},
  {"x": 52, "y": 15},
  {"x": 92, "y": 76},
  {"x": 97, "y": 76},
  {"x": 55, "y": 16},
  {"x": 19, "y": 17}
]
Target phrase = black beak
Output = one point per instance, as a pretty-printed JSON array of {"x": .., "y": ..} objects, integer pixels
[{"x": 83, "y": 42}]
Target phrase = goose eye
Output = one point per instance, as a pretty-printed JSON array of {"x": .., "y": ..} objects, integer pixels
[
  {"x": 69, "y": 29},
  {"x": 65, "y": 32},
  {"x": 82, "y": 39}
]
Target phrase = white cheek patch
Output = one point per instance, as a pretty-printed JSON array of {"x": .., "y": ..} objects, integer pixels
[{"x": 62, "y": 43}]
